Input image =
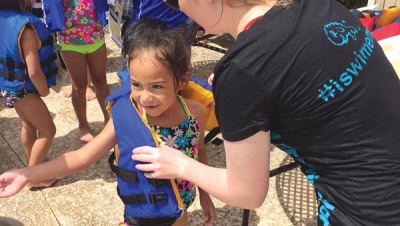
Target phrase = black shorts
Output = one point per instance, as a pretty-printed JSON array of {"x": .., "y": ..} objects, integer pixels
[{"x": 159, "y": 221}]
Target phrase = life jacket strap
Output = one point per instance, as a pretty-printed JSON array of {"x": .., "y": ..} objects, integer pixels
[
  {"x": 11, "y": 76},
  {"x": 9, "y": 62},
  {"x": 48, "y": 42},
  {"x": 158, "y": 198},
  {"x": 132, "y": 199},
  {"x": 50, "y": 72},
  {"x": 132, "y": 176},
  {"x": 125, "y": 175},
  {"x": 155, "y": 198},
  {"x": 11, "y": 66},
  {"x": 49, "y": 63},
  {"x": 159, "y": 182}
]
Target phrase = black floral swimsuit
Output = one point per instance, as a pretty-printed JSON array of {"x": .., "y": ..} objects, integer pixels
[{"x": 184, "y": 137}]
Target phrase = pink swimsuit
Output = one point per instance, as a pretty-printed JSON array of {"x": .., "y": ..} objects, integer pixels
[{"x": 82, "y": 25}]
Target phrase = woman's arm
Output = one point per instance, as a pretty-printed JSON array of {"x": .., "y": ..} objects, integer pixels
[
  {"x": 12, "y": 182},
  {"x": 30, "y": 45},
  {"x": 244, "y": 183},
  {"x": 206, "y": 203},
  {"x": 200, "y": 114}
]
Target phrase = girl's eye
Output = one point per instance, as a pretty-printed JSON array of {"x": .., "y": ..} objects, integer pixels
[
  {"x": 135, "y": 84},
  {"x": 157, "y": 87}
]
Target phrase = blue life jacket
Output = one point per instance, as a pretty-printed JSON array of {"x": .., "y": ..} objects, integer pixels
[
  {"x": 13, "y": 71},
  {"x": 53, "y": 15},
  {"x": 143, "y": 198},
  {"x": 157, "y": 9},
  {"x": 102, "y": 8}
]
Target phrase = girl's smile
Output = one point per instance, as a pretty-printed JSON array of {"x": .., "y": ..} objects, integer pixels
[{"x": 152, "y": 85}]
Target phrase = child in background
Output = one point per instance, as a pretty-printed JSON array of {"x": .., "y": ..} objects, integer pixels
[
  {"x": 159, "y": 69},
  {"x": 84, "y": 52},
  {"x": 90, "y": 94},
  {"x": 27, "y": 70}
]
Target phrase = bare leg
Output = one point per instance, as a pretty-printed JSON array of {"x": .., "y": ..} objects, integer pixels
[
  {"x": 90, "y": 94},
  {"x": 77, "y": 67},
  {"x": 36, "y": 146},
  {"x": 183, "y": 221},
  {"x": 97, "y": 64}
]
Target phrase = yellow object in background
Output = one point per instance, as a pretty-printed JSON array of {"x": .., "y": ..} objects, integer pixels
[
  {"x": 196, "y": 92},
  {"x": 391, "y": 47},
  {"x": 388, "y": 16}
]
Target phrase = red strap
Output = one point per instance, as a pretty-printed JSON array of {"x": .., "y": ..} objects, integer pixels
[
  {"x": 368, "y": 23},
  {"x": 252, "y": 22}
]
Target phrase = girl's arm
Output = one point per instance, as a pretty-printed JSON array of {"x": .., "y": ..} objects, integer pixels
[
  {"x": 30, "y": 45},
  {"x": 69, "y": 163},
  {"x": 200, "y": 114},
  {"x": 206, "y": 203}
]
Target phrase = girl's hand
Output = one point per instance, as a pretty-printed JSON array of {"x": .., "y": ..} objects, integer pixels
[
  {"x": 11, "y": 182},
  {"x": 160, "y": 163},
  {"x": 208, "y": 209},
  {"x": 211, "y": 79}
]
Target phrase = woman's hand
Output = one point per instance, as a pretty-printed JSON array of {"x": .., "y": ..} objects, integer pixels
[
  {"x": 208, "y": 209},
  {"x": 211, "y": 79},
  {"x": 11, "y": 182},
  {"x": 161, "y": 163}
]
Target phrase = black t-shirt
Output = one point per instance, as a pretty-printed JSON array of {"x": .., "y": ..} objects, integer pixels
[{"x": 316, "y": 78}]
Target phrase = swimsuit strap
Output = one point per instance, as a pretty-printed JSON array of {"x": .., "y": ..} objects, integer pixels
[
  {"x": 185, "y": 106},
  {"x": 183, "y": 102},
  {"x": 249, "y": 24}
]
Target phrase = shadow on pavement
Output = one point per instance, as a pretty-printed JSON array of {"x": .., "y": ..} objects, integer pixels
[{"x": 297, "y": 196}]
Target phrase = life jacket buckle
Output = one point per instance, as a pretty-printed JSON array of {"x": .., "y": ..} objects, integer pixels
[{"x": 158, "y": 198}]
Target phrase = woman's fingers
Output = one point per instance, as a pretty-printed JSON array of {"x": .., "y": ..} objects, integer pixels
[
  {"x": 143, "y": 150},
  {"x": 162, "y": 163},
  {"x": 210, "y": 79}
]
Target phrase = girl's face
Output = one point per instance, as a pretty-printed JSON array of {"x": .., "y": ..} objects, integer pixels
[{"x": 152, "y": 85}]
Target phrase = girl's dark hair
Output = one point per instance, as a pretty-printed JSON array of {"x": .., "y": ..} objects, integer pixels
[
  {"x": 170, "y": 48},
  {"x": 16, "y": 5}
]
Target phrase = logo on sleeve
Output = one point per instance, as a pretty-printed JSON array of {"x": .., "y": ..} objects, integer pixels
[{"x": 340, "y": 34}]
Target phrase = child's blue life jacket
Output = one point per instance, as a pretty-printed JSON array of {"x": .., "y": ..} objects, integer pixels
[
  {"x": 13, "y": 70},
  {"x": 102, "y": 8},
  {"x": 143, "y": 198},
  {"x": 53, "y": 15}
]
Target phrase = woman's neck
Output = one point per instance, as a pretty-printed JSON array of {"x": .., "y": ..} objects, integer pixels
[{"x": 246, "y": 14}]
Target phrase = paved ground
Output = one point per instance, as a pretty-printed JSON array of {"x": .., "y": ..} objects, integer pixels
[{"x": 89, "y": 197}]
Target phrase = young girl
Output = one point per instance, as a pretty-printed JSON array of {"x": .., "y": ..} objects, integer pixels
[
  {"x": 158, "y": 66},
  {"x": 84, "y": 53},
  {"x": 27, "y": 69}
]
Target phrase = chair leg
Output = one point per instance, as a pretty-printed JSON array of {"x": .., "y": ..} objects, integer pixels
[
  {"x": 210, "y": 135},
  {"x": 246, "y": 216}
]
